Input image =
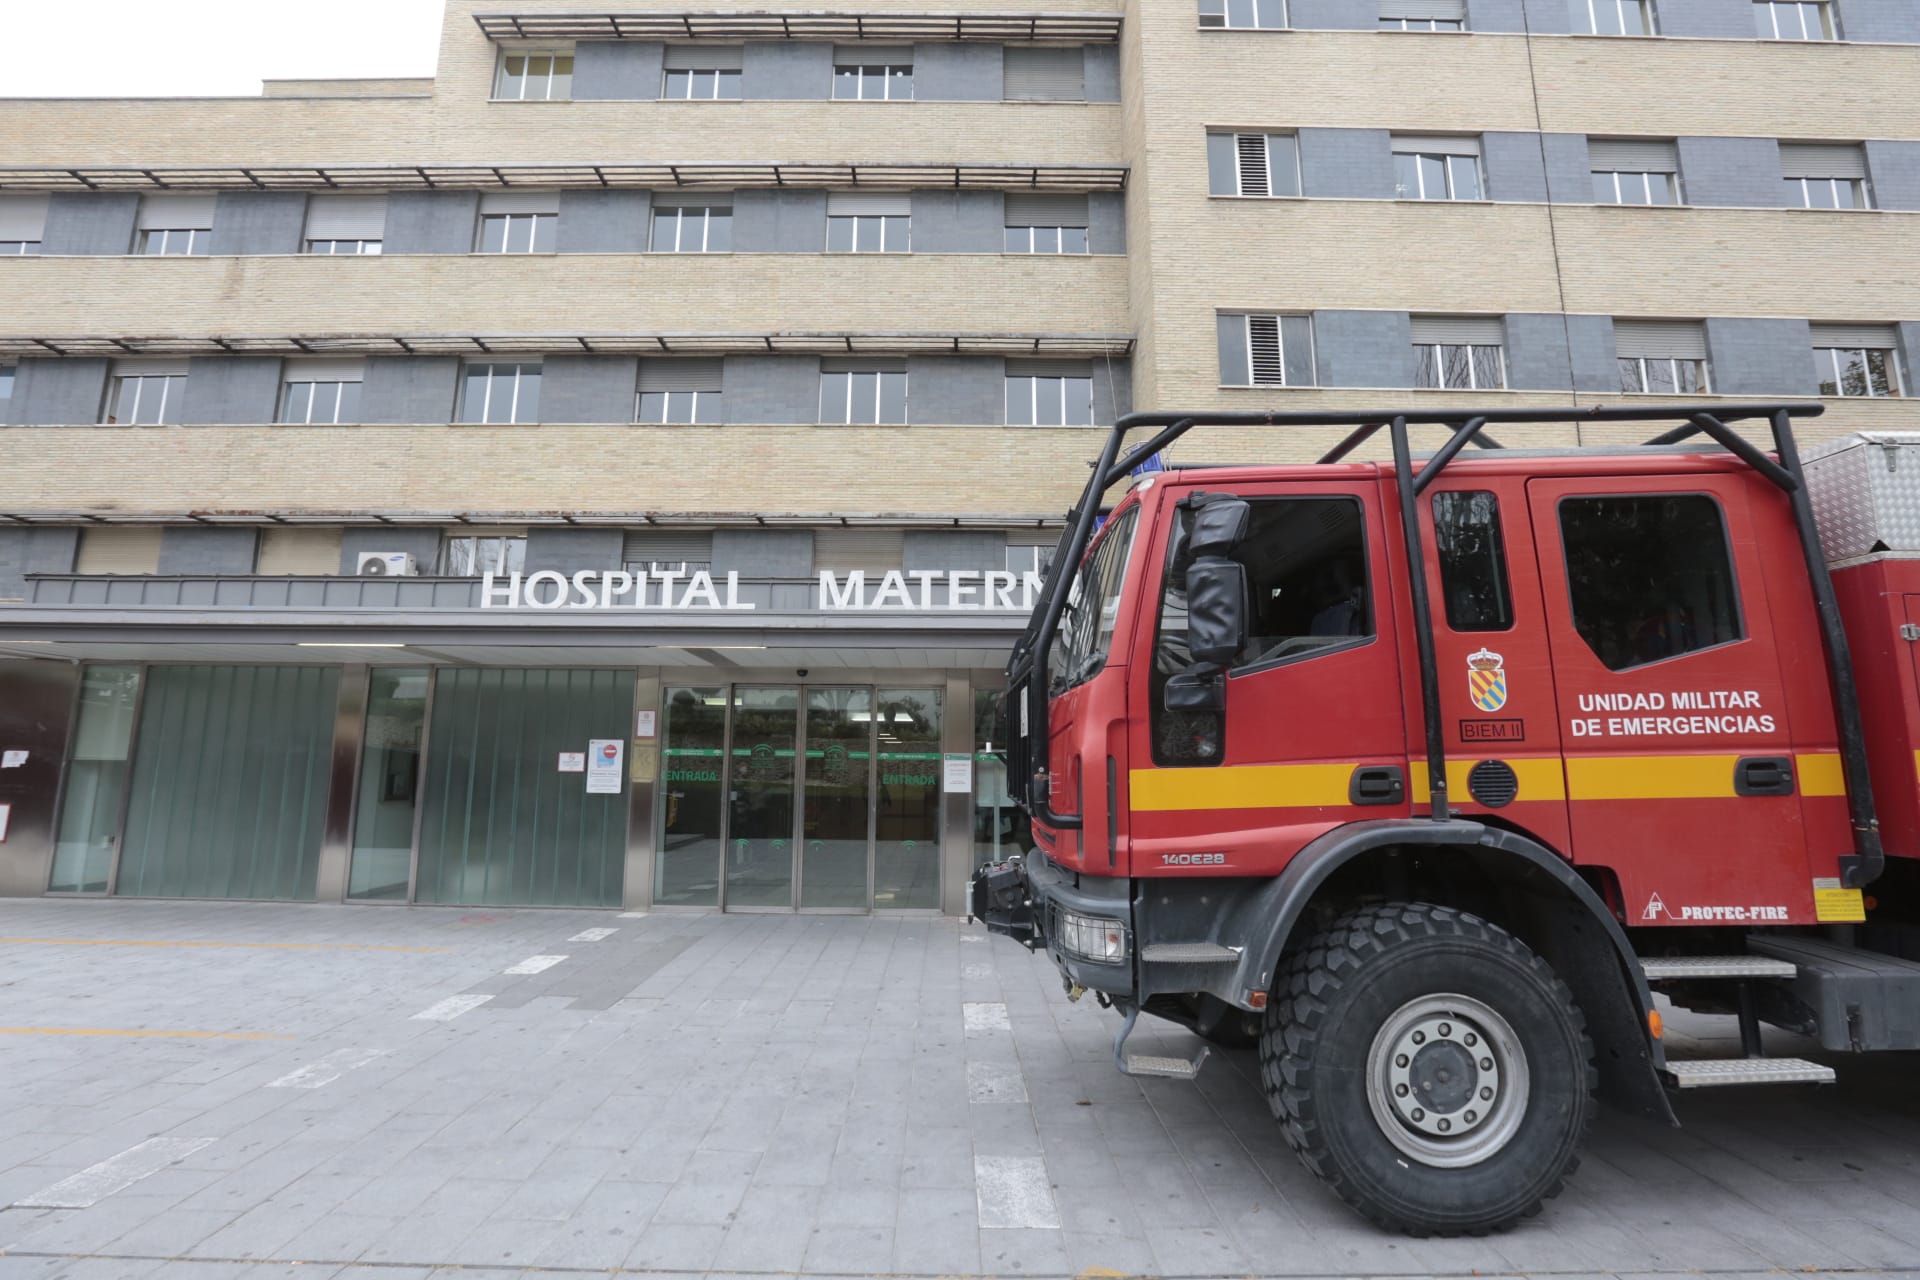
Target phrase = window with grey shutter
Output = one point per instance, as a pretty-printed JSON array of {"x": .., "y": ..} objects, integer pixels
[
  {"x": 1423, "y": 15},
  {"x": 1050, "y": 393},
  {"x": 701, "y": 72},
  {"x": 1260, "y": 14},
  {"x": 23, "y": 223},
  {"x": 873, "y": 551},
  {"x": 145, "y": 392},
  {"x": 680, "y": 390},
  {"x": 1265, "y": 350},
  {"x": 1046, "y": 223},
  {"x": 869, "y": 222},
  {"x": 862, "y": 391},
  {"x": 519, "y": 221},
  {"x": 873, "y": 72},
  {"x": 1045, "y": 74},
  {"x": 672, "y": 550},
  {"x": 1634, "y": 170},
  {"x": 175, "y": 223},
  {"x": 1661, "y": 357},
  {"x": 1436, "y": 167},
  {"x": 1825, "y": 175},
  {"x": 1459, "y": 352},
  {"x": 1857, "y": 360},
  {"x": 1253, "y": 164},
  {"x": 346, "y": 224}
]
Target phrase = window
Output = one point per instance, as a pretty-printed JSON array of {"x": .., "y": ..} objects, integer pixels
[
  {"x": 1270, "y": 14},
  {"x": 500, "y": 391},
  {"x": 1044, "y": 74},
  {"x": 1050, "y": 393},
  {"x": 863, "y": 391},
  {"x": 6, "y": 390},
  {"x": 1458, "y": 353},
  {"x": 678, "y": 551},
  {"x": 1634, "y": 170},
  {"x": 1087, "y": 623},
  {"x": 1794, "y": 20},
  {"x": 1611, "y": 17},
  {"x": 1857, "y": 360},
  {"x": 471, "y": 557},
  {"x": 321, "y": 391},
  {"x": 518, "y": 222},
  {"x": 175, "y": 225},
  {"x": 1649, "y": 577},
  {"x": 1825, "y": 175},
  {"x": 1046, "y": 223},
  {"x": 1473, "y": 560},
  {"x": 1265, "y": 350},
  {"x": 1253, "y": 164},
  {"x": 703, "y": 225},
  {"x": 1423, "y": 15},
  {"x": 873, "y": 74},
  {"x": 680, "y": 391},
  {"x": 145, "y": 392},
  {"x": 866, "y": 222},
  {"x": 702, "y": 73},
  {"x": 346, "y": 224},
  {"x": 1307, "y": 595},
  {"x": 1663, "y": 357},
  {"x": 1437, "y": 168},
  {"x": 528, "y": 75},
  {"x": 1026, "y": 558},
  {"x": 23, "y": 223}
]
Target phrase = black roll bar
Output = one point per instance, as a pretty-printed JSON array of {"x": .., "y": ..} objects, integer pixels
[{"x": 1028, "y": 666}]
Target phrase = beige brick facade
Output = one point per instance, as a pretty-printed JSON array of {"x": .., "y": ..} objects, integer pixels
[{"x": 1190, "y": 255}]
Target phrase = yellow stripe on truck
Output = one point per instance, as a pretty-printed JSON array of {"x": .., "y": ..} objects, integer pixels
[
  {"x": 1540, "y": 779},
  {"x": 1247, "y": 786},
  {"x": 1688, "y": 777}
]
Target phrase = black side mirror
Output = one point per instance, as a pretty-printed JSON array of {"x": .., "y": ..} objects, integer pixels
[{"x": 1217, "y": 605}]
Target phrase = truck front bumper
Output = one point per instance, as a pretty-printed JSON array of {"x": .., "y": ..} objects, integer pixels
[{"x": 1041, "y": 904}]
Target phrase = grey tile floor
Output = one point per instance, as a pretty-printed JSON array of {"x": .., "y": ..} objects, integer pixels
[{"x": 235, "y": 1090}]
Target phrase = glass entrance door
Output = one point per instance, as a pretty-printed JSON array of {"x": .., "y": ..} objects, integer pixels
[
  {"x": 760, "y": 811},
  {"x": 836, "y": 811}
]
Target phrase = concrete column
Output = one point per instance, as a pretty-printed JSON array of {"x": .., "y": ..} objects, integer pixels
[{"x": 956, "y": 808}]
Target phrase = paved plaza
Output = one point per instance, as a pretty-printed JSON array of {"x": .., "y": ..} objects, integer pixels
[{"x": 232, "y": 1090}]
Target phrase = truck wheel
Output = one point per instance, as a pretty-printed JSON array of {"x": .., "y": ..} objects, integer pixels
[{"x": 1429, "y": 1068}]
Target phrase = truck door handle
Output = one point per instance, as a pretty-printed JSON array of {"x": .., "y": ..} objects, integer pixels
[
  {"x": 1377, "y": 784},
  {"x": 1763, "y": 776}
]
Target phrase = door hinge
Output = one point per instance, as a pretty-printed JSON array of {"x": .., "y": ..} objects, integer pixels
[{"x": 1908, "y": 631}]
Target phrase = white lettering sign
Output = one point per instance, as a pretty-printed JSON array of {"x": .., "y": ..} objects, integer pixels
[
  {"x": 1725, "y": 718},
  {"x": 931, "y": 591}
]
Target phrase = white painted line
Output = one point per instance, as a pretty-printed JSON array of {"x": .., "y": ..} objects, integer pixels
[
  {"x": 976, "y": 971},
  {"x": 96, "y": 1182},
  {"x": 327, "y": 1070},
  {"x": 980, "y": 1016},
  {"x": 450, "y": 1008},
  {"x": 973, "y": 937},
  {"x": 534, "y": 964},
  {"x": 593, "y": 935},
  {"x": 633, "y": 915},
  {"x": 995, "y": 1082},
  {"x": 1012, "y": 1192}
]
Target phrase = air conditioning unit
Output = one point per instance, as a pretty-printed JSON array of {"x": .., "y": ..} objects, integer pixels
[{"x": 387, "y": 564}]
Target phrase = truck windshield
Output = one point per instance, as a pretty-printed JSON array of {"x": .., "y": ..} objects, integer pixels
[{"x": 1093, "y": 603}]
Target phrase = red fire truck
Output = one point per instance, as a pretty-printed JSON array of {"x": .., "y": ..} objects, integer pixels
[{"x": 1424, "y": 775}]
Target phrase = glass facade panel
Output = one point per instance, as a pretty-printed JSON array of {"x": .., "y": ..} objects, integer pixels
[
  {"x": 693, "y": 799},
  {"x": 500, "y": 824},
  {"x": 999, "y": 829},
  {"x": 834, "y": 812},
  {"x": 389, "y": 785},
  {"x": 760, "y": 796},
  {"x": 96, "y": 780},
  {"x": 229, "y": 785},
  {"x": 906, "y": 860}
]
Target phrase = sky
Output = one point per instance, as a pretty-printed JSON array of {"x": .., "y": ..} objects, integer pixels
[{"x": 160, "y": 48}]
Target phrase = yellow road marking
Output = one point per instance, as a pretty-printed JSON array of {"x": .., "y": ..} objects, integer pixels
[
  {"x": 138, "y": 1033},
  {"x": 268, "y": 946}
]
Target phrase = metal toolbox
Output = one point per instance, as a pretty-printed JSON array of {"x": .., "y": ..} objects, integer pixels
[{"x": 1865, "y": 490}]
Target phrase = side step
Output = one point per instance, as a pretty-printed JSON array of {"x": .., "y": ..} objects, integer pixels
[
  {"x": 1188, "y": 953},
  {"x": 1707, "y": 1073},
  {"x": 1678, "y": 968},
  {"x": 1147, "y": 1064}
]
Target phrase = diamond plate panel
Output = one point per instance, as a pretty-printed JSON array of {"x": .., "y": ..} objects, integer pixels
[
  {"x": 1709, "y": 1072},
  {"x": 1865, "y": 491}
]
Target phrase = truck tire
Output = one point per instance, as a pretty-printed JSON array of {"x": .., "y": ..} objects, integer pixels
[{"x": 1407, "y": 1003}]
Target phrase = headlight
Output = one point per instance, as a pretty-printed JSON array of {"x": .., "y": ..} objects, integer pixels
[{"x": 1093, "y": 938}]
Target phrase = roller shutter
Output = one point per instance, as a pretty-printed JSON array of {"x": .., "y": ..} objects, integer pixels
[
  {"x": 176, "y": 212},
  {"x": 347, "y": 217},
  {"x": 1049, "y": 368},
  {"x": 1660, "y": 339},
  {"x": 873, "y": 550},
  {"x": 667, "y": 546},
  {"x": 703, "y": 57},
  {"x": 844, "y": 204},
  {"x": 1435, "y": 145},
  {"x": 1449, "y": 10},
  {"x": 1045, "y": 75},
  {"x": 698, "y": 374},
  {"x": 1033, "y": 209},
  {"x": 1880, "y": 337},
  {"x": 121, "y": 549},
  {"x": 298, "y": 551},
  {"x": 1822, "y": 160},
  {"x": 1478, "y": 331},
  {"x": 23, "y": 217},
  {"x": 1633, "y": 155},
  {"x": 520, "y": 202}
]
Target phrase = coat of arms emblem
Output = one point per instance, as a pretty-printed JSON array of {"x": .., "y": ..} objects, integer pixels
[{"x": 1487, "y": 680}]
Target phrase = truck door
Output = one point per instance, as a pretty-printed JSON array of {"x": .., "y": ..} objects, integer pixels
[
  {"x": 1679, "y": 757},
  {"x": 1312, "y": 734}
]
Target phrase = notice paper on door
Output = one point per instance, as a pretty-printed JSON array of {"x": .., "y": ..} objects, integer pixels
[
  {"x": 12, "y": 759},
  {"x": 573, "y": 762},
  {"x": 605, "y": 759},
  {"x": 958, "y": 773}
]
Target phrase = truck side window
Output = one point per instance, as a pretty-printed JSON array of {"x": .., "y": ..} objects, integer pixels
[
  {"x": 1306, "y": 561},
  {"x": 1473, "y": 561},
  {"x": 1650, "y": 576}
]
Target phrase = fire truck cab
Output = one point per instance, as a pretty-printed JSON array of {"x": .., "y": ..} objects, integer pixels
[{"x": 1423, "y": 774}]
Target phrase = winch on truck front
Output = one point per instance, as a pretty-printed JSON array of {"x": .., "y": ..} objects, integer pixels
[{"x": 1424, "y": 774}]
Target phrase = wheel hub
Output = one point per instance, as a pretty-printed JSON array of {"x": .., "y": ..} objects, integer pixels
[{"x": 1447, "y": 1080}]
